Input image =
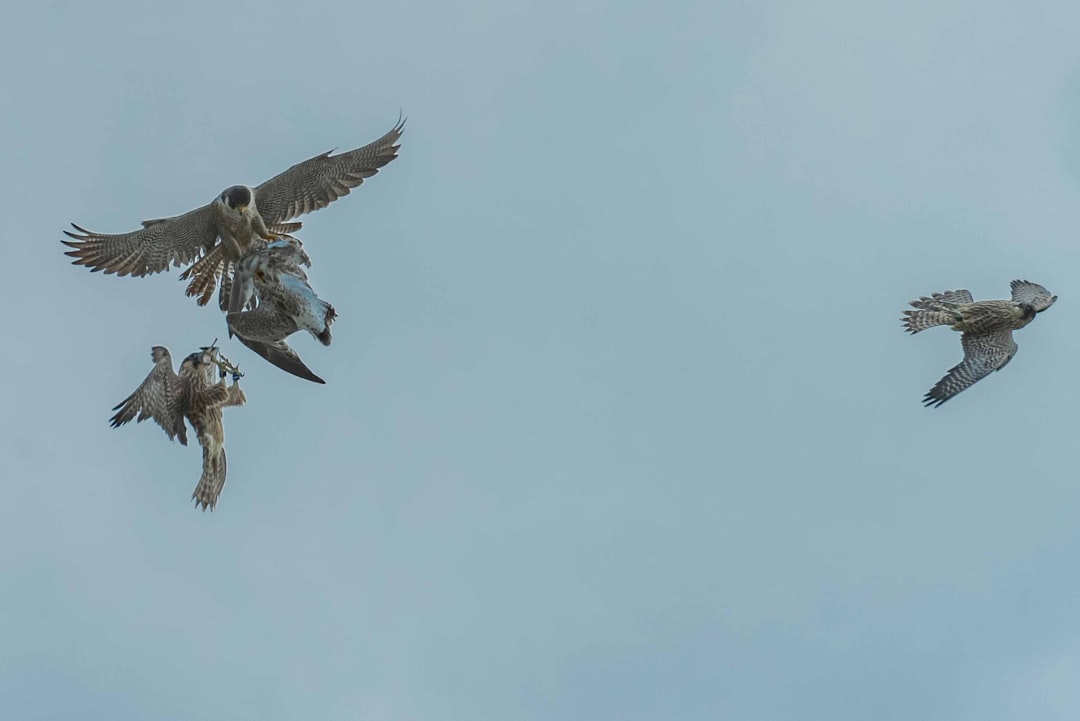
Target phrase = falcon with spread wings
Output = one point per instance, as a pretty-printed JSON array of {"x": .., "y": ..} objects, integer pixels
[
  {"x": 986, "y": 327},
  {"x": 168, "y": 398},
  {"x": 238, "y": 218}
]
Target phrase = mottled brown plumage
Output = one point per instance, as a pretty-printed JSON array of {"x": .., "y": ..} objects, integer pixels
[
  {"x": 986, "y": 325},
  {"x": 238, "y": 218},
  {"x": 170, "y": 397}
]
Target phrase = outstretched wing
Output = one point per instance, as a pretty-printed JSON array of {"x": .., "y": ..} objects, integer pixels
[
  {"x": 157, "y": 397},
  {"x": 984, "y": 353},
  {"x": 284, "y": 357},
  {"x": 941, "y": 301},
  {"x": 954, "y": 296},
  {"x": 152, "y": 249},
  {"x": 319, "y": 181},
  {"x": 1033, "y": 294}
]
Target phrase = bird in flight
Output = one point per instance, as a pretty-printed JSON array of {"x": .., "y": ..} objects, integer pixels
[
  {"x": 271, "y": 299},
  {"x": 239, "y": 218},
  {"x": 986, "y": 328},
  {"x": 168, "y": 398}
]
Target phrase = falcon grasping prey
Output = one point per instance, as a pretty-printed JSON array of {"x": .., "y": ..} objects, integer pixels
[
  {"x": 169, "y": 397},
  {"x": 236, "y": 216}
]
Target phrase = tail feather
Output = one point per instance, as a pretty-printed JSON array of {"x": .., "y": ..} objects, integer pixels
[
  {"x": 204, "y": 274},
  {"x": 934, "y": 303},
  {"x": 212, "y": 480},
  {"x": 225, "y": 287},
  {"x": 917, "y": 320}
]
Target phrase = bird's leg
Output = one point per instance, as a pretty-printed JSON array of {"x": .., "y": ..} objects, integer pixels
[
  {"x": 227, "y": 366},
  {"x": 236, "y": 393},
  {"x": 223, "y": 364},
  {"x": 259, "y": 226}
]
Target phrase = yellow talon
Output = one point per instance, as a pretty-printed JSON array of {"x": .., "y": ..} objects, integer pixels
[{"x": 227, "y": 366}]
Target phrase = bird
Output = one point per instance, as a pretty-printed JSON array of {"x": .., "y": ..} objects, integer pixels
[
  {"x": 271, "y": 299},
  {"x": 986, "y": 328},
  {"x": 239, "y": 216},
  {"x": 168, "y": 398}
]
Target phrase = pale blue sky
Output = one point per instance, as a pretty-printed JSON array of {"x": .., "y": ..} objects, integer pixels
[{"x": 620, "y": 421}]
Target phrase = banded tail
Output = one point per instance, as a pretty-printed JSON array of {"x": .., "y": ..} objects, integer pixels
[
  {"x": 212, "y": 480},
  {"x": 937, "y": 309},
  {"x": 917, "y": 320},
  {"x": 204, "y": 274}
]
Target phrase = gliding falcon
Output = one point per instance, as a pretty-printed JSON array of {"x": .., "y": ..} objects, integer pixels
[
  {"x": 168, "y": 398},
  {"x": 236, "y": 216},
  {"x": 986, "y": 325}
]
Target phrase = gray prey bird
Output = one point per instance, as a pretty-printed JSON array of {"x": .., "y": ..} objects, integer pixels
[
  {"x": 271, "y": 299},
  {"x": 239, "y": 216},
  {"x": 170, "y": 397},
  {"x": 986, "y": 328}
]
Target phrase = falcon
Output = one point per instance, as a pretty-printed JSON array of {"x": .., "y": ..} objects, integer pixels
[
  {"x": 986, "y": 328},
  {"x": 168, "y": 398},
  {"x": 238, "y": 218},
  {"x": 271, "y": 299}
]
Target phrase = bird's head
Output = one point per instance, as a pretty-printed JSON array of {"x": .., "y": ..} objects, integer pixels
[
  {"x": 191, "y": 362},
  {"x": 237, "y": 198},
  {"x": 1049, "y": 303},
  {"x": 201, "y": 360},
  {"x": 209, "y": 353}
]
